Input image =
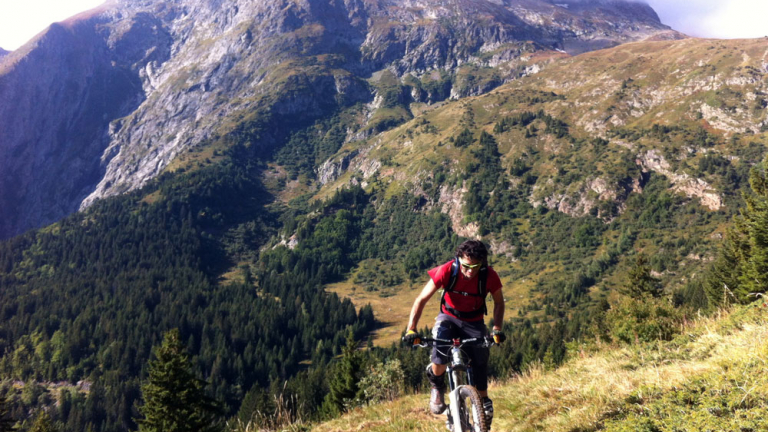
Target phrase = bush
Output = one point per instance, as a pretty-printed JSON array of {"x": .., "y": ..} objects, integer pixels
[
  {"x": 643, "y": 320},
  {"x": 383, "y": 383}
]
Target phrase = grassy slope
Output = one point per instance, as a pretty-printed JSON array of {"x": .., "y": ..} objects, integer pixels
[
  {"x": 670, "y": 83},
  {"x": 713, "y": 377}
]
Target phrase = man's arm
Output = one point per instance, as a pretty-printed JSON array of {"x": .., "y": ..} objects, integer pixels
[
  {"x": 418, "y": 305},
  {"x": 498, "y": 309}
]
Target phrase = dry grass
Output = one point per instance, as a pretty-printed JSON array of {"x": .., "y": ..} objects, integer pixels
[
  {"x": 406, "y": 414},
  {"x": 593, "y": 387},
  {"x": 197, "y": 157}
]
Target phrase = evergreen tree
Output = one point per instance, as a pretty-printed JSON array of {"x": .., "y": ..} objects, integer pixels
[
  {"x": 43, "y": 423},
  {"x": 740, "y": 270},
  {"x": 640, "y": 282},
  {"x": 6, "y": 422},
  {"x": 754, "y": 274},
  {"x": 344, "y": 384},
  {"x": 724, "y": 273},
  {"x": 174, "y": 400}
]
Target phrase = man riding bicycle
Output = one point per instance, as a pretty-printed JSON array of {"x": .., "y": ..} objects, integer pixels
[{"x": 465, "y": 280}]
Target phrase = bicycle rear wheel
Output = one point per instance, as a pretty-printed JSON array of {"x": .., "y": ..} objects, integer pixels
[{"x": 470, "y": 411}]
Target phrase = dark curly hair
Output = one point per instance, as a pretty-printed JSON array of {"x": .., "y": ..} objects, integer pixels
[{"x": 473, "y": 249}]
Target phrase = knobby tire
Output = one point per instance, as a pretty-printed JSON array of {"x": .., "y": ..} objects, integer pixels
[{"x": 471, "y": 408}]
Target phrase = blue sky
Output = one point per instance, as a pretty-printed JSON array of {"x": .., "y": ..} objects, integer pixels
[{"x": 20, "y": 20}]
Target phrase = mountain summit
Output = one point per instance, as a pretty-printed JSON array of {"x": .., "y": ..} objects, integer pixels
[{"x": 101, "y": 103}]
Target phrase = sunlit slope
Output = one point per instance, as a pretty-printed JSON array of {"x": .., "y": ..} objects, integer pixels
[
  {"x": 718, "y": 85},
  {"x": 642, "y": 147},
  {"x": 712, "y": 377}
]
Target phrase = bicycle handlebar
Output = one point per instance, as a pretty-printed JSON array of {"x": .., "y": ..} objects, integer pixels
[{"x": 485, "y": 342}]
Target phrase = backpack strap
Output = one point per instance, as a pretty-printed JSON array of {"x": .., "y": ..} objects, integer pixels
[{"x": 482, "y": 280}]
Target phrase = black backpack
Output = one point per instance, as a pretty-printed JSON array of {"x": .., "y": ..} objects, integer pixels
[{"x": 482, "y": 279}]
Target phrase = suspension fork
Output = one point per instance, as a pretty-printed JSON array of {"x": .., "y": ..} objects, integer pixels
[{"x": 452, "y": 384}]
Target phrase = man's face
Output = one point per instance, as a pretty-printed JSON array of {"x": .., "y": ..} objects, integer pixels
[{"x": 470, "y": 267}]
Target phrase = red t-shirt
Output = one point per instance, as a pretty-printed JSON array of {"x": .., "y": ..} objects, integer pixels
[{"x": 441, "y": 275}]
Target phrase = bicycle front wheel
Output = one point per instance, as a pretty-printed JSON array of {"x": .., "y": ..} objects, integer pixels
[{"x": 469, "y": 413}]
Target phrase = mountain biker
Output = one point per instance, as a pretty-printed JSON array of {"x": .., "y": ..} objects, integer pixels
[{"x": 462, "y": 310}]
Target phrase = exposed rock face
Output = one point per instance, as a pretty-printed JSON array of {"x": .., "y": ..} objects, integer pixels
[
  {"x": 3, "y": 53},
  {"x": 683, "y": 183},
  {"x": 331, "y": 169},
  {"x": 56, "y": 103},
  {"x": 101, "y": 104},
  {"x": 584, "y": 197},
  {"x": 452, "y": 201},
  {"x": 585, "y": 25}
]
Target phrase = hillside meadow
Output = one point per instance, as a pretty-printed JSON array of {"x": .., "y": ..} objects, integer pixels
[{"x": 712, "y": 377}]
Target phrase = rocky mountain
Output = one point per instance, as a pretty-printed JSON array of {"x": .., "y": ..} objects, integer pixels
[
  {"x": 3, "y": 53},
  {"x": 312, "y": 168},
  {"x": 651, "y": 141},
  {"x": 101, "y": 103},
  {"x": 715, "y": 87}
]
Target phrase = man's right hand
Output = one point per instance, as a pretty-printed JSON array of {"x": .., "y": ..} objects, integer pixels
[
  {"x": 498, "y": 336},
  {"x": 411, "y": 338}
]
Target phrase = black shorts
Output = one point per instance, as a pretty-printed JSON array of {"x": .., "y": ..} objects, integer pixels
[{"x": 448, "y": 327}]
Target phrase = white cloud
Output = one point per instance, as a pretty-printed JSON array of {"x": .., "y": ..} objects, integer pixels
[
  {"x": 723, "y": 19},
  {"x": 20, "y": 20}
]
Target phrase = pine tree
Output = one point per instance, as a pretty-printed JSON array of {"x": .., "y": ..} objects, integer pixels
[
  {"x": 43, "y": 423},
  {"x": 344, "y": 388},
  {"x": 640, "y": 282},
  {"x": 724, "y": 273},
  {"x": 741, "y": 268},
  {"x": 174, "y": 400},
  {"x": 754, "y": 276},
  {"x": 6, "y": 422}
]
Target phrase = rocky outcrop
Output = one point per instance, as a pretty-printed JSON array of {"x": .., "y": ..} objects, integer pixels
[
  {"x": 584, "y": 197},
  {"x": 102, "y": 103},
  {"x": 452, "y": 203},
  {"x": 729, "y": 121},
  {"x": 332, "y": 169},
  {"x": 578, "y": 26},
  {"x": 683, "y": 183}
]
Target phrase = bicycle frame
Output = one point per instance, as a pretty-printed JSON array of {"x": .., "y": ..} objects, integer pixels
[{"x": 461, "y": 383}]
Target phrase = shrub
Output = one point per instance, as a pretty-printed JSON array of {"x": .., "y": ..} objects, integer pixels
[
  {"x": 643, "y": 320},
  {"x": 384, "y": 382}
]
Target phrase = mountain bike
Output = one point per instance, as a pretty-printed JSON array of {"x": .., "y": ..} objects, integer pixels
[{"x": 465, "y": 409}]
